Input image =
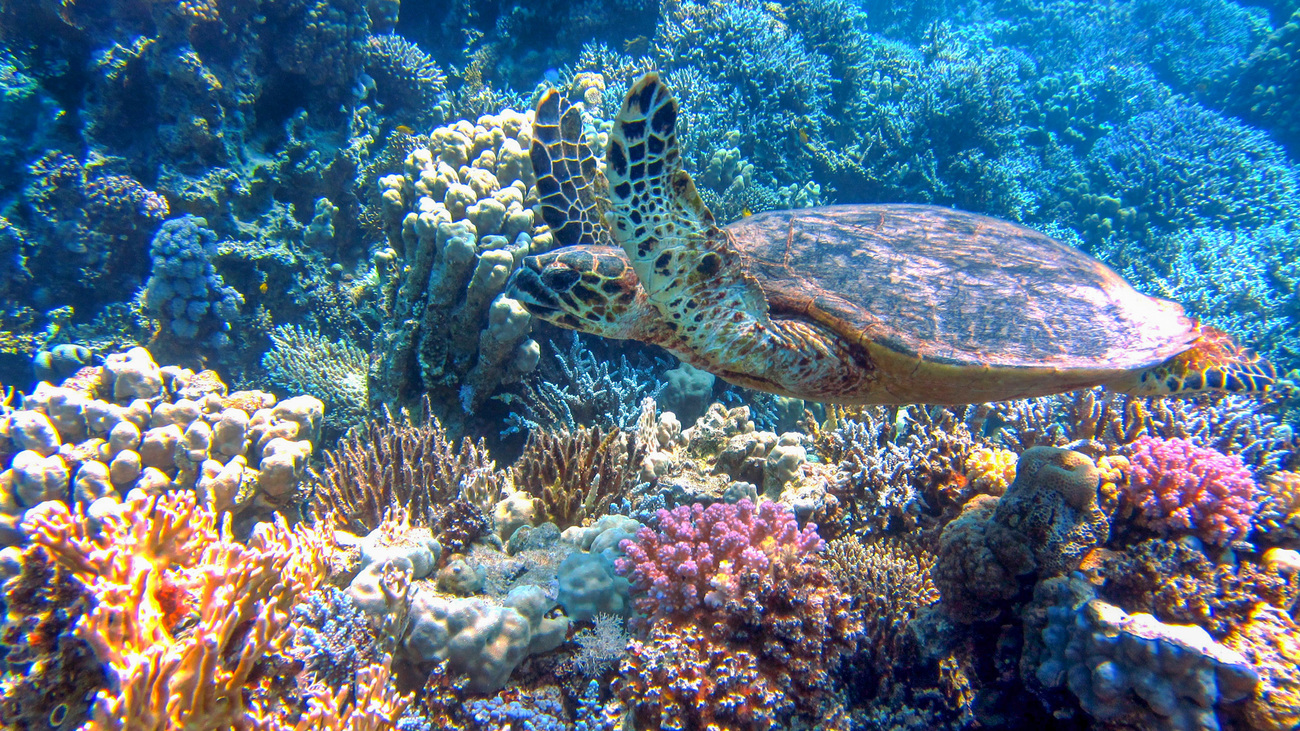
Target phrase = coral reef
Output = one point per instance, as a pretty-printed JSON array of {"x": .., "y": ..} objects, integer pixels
[
  {"x": 1043, "y": 526},
  {"x": 460, "y": 216},
  {"x": 1131, "y": 668},
  {"x": 739, "y": 609},
  {"x": 407, "y": 463},
  {"x": 184, "y": 289},
  {"x": 336, "y": 371},
  {"x": 574, "y": 478}
]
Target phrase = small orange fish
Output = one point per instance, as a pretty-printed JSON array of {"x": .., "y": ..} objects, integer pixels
[
  {"x": 404, "y": 130},
  {"x": 263, "y": 288}
]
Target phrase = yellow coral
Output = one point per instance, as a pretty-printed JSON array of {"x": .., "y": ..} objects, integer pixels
[
  {"x": 991, "y": 471},
  {"x": 161, "y": 560}
]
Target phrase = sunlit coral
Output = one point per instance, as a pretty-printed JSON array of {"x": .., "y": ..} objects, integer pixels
[
  {"x": 1180, "y": 487},
  {"x": 163, "y": 559}
]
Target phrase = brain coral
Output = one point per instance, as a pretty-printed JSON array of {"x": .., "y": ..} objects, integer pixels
[{"x": 1180, "y": 487}]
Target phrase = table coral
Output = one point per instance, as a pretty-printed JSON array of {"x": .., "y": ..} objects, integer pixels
[
  {"x": 1181, "y": 488},
  {"x": 158, "y": 561}
]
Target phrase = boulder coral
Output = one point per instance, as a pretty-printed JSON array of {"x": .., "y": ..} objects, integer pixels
[
  {"x": 1043, "y": 526},
  {"x": 131, "y": 424},
  {"x": 461, "y": 219}
]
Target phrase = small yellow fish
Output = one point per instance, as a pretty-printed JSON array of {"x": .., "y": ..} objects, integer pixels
[
  {"x": 263, "y": 288},
  {"x": 803, "y": 135},
  {"x": 404, "y": 129},
  {"x": 745, "y": 212}
]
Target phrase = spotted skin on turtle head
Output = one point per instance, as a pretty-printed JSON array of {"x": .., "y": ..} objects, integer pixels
[
  {"x": 1214, "y": 363},
  {"x": 591, "y": 289}
]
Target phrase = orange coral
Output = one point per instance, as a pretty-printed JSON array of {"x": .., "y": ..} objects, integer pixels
[{"x": 192, "y": 676}]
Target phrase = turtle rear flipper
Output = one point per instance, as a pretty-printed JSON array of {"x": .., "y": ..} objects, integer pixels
[
  {"x": 1214, "y": 363},
  {"x": 689, "y": 268},
  {"x": 569, "y": 182}
]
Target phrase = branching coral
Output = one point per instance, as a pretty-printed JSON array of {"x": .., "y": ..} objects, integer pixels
[
  {"x": 574, "y": 477},
  {"x": 890, "y": 580},
  {"x": 183, "y": 613},
  {"x": 397, "y": 462},
  {"x": 1181, "y": 488},
  {"x": 740, "y": 611},
  {"x": 336, "y": 371}
]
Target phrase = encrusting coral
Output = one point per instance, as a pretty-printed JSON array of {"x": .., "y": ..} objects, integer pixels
[{"x": 183, "y": 613}]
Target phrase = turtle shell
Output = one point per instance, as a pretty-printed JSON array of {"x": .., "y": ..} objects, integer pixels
[{"x": 955, "y": 288}]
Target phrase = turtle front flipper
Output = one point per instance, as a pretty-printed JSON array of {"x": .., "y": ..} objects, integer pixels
[
  {"x": 1214, "y": 363},
  {"x": 569, "y": 182},
  {"x": 687, "y": 265}
]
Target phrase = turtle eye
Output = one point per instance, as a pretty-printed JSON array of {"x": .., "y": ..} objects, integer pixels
[{"x": 560, "y": 279}]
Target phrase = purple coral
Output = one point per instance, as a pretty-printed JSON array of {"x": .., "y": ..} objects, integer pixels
[
  {"x": 711, "y": 556},
  {"x": 1180, "y": 487}
]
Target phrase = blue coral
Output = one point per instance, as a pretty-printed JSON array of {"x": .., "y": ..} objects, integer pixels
[
  {"x": 185, "y": 290},
  {"x": 1183, "y": 165},
  {"x": 530, "y": 713}
]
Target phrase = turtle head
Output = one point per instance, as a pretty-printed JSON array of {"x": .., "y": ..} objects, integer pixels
[{"x": 592, "y": 289}]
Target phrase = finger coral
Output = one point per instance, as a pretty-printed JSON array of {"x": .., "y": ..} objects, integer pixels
[
  {"x": 183, "y": 613},
  {"x": 1179, "y": 487}
]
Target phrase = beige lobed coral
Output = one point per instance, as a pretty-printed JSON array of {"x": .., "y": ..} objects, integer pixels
[
  {"x": 131, "y": 424},
  {"x": 461, "y": 218}
]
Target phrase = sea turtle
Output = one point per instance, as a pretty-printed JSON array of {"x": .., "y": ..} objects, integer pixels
[{"x": 852, "y": 304}]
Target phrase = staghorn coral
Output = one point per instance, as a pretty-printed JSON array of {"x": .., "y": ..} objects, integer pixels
[
  {"x": 892, "y": 461},
  {"x": 50, "y": 675},
  {"x": 582, "y": 390},
  {"x": 158, "y": 561},
  {"x": 574, "y": 478},
  {"x": 1178, "y": 487},
  {"x": 332, "y": 637},
  {"x": 399, "y": 462},
  {"x": 406, "y": 78},
  {"x": 736, "y": 603},
  {"x": 335, "y": 371},
  {"x": 461, "y": 213}
]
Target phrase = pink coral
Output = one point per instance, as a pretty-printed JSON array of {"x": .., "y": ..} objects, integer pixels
[
  {"x": 711, "y": 556},
  {"x": 1180, "y": 487}
]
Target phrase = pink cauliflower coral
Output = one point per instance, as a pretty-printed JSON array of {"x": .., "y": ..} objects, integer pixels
[
  {"x": 712, "y": 556},
  {"x": 1180, "y": 487}
]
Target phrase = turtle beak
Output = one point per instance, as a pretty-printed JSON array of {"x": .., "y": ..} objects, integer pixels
[{"x": 526, "y": 286}]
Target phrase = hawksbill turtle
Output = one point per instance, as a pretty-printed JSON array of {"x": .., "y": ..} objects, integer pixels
[{"x": 850, "y": 304}]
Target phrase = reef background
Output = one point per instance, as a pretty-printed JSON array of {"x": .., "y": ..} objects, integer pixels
[{"x": 252, "y": 255}]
